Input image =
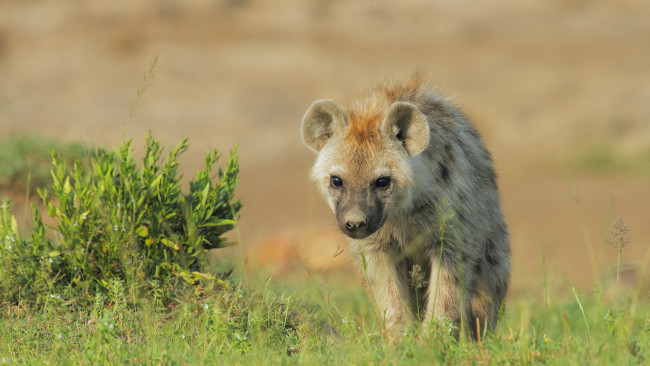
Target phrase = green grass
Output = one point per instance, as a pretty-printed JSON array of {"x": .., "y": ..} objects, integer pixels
[
  {"x": 313, "y": 321},
  {"x": 276, "y": 323}
]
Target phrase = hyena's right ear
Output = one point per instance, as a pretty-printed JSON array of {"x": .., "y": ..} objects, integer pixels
[
  {"x": 322, "y": 120},
  {"x": 406, "y": 123}
]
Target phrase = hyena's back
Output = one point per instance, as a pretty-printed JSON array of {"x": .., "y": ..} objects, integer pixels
[{"x": 444, "y": 183}]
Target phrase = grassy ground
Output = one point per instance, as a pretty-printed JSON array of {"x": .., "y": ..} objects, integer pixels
[
  {"x": 316, "y": 319},
  {"x": 266, "y": 322}
]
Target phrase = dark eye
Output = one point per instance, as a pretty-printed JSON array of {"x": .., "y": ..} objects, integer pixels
[
  {"x": 336, "y": 182},
  {"x": 382, "y": 183}
]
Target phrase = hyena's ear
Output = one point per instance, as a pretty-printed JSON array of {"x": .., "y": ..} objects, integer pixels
[
  {"x": 406, "y": 123},
  {"x": 322, "y": 120}
]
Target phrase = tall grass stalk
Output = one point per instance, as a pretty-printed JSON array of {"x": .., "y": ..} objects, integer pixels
[
  {"x": 619, "y": 240},
  {"x": 27, "y": 190},
  {"x": 545, "y": 286},
  {"x": 373, "y": 299},
  {"x": 618, "y": 275},
  {"x": 417, "y": 281},
  {"x": 582, "y": 310},
  {"x": 146, "y": 83},
  {"x": 502, "y": 308},
  {"x": 324, "y": 296}
]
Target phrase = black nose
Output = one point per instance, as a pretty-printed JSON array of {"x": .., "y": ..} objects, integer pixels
[{"x": 352, "y": 225}]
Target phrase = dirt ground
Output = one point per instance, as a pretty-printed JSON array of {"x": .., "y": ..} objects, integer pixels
[{"x": 544, "y": 81}]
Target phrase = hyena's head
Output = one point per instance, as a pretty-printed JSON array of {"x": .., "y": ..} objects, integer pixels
[{"x": 364, "y": 163}]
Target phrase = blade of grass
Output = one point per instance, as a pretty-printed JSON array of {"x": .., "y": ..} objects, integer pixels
[
  {"x": 545, "y": 284},
  {"x": 582, "y": 310}
]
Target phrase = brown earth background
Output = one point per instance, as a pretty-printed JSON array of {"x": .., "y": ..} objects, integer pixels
[{"x": 549, "y": 84}]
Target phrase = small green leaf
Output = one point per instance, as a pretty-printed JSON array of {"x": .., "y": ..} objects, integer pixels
[
  {"x": 54, "y": 253},
  {"x": 220, "y": 222},
  {"x": 204, "y": 194},
  {"x": 51, "y": 209},
  {"x": 184, "y": 274},
  {"x": 142, "y": 231},
  {"x": 67, "y": 188},
  {"x": 156, "y": 182},
  {"x": 170, "y": 244},
  {"x": 14, "y": 225},
  {"x": 202, "y": 276},
  {"x": 218, "y": 244},
  {"x": 222, "y": 283}
]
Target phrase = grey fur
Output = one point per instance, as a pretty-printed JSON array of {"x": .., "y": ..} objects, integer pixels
[{"x": 445, "y": 183}]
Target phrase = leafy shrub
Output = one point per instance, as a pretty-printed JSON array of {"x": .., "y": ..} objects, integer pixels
[
  {"x": 116, "y": 220},
  {"x": 25, "y": 268}
]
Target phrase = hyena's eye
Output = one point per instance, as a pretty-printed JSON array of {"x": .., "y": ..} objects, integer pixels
[
  {"x": 382, "y": 183},
  {"x": 336, "y": 182}
]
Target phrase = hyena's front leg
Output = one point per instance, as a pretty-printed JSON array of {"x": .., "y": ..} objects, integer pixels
[
  {"x": 388, "y": 288},
  {"x": 443, "y": 297}
]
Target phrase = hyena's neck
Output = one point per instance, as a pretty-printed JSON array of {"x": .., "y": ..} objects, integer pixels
[{"x": 422, "y": 191}]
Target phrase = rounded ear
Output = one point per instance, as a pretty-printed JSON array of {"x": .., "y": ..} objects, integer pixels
[
  {"x": 406, "y": 123},
  {"x": 322, "y": 120}
]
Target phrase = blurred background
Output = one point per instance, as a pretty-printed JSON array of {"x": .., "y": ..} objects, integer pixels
[{"x": 559, "y": 90}]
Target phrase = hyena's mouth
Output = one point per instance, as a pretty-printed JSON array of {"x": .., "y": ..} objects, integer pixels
[
  {"x": 357, "y": 234},
  {"x": 360, "y": 228}
]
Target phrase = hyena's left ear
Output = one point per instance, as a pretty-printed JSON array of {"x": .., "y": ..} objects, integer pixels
[
  {"x": 406, "y": 123},
  {"x": 322, "y": 120}
]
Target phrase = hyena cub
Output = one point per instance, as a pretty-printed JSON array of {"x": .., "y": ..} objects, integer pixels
[{"x": 412, "y": 185}]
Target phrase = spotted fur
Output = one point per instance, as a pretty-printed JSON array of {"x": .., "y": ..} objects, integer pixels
[{"x": 440, "y": 210}]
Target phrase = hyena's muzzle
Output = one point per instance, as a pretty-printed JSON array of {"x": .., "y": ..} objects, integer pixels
[{"x": 359, "y": 214}]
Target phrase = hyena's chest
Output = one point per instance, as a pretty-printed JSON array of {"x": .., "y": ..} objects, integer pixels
[
  {"x": 417, "y": 228},
  {"x": 409, "y": 237}
]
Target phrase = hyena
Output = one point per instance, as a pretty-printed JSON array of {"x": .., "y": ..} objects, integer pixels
[{"x": 412, "y": 186}]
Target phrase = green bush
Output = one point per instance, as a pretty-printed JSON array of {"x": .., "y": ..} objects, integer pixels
[{"x": 118, "y": 220}]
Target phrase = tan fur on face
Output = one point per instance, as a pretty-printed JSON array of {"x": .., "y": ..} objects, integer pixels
[
  {"x": 441, "y": 177},
  {"x": 364, "y": 128}
]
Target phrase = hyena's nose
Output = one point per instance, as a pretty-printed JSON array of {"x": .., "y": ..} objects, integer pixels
[{"x": 356, "y": 222}]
